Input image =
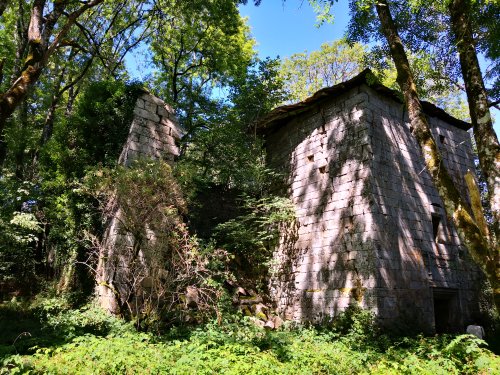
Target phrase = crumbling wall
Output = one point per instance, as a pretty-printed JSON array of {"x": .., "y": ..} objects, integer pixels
[
  {"x": 154, "y": 133},
  {"x": 372, "y": 229}
]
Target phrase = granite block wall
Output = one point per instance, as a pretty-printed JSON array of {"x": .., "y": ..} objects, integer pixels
[
  {"x": 371, "y": 227},
  {"x": 154, "y": 133}
]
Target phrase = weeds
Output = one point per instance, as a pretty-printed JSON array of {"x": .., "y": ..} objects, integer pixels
[{"x": 87, "y": 340}]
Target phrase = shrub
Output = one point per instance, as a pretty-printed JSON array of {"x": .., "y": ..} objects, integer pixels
[
  {"x": 254, "y": 235},
  {"x": 156, "y": 270},
  {"x": 237, "y": 346}
]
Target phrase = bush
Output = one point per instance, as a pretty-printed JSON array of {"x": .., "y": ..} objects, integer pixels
[
  {"x": 254, "y": 235},
  {"x": 166, "y": 275},
  {"x": 237, "y": 346}
]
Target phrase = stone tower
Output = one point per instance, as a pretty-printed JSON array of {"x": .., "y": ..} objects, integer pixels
[{"x": 371, "y": 225}]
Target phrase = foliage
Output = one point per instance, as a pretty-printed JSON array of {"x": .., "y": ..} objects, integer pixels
[
  {"x": 335, "y": 62},
  {"x": 237, "y": 346},
  {"x": 19, "y": 231},
  {"x": 225, "y": 162},
  {"x": 95, "y": 134},
  {"x": 354, "y": 326},
  {"x": 258, "y": 91},
  {"x": 169, "y": 275},
  {"x": 49, "y": 321},
  {"x": 254, "y": 235},
  {"x": 223, "y": 152},
  {"x": 208, "y": 47}
]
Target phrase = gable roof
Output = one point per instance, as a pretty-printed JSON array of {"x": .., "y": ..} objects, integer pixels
[{"x": 280, "y": 114}]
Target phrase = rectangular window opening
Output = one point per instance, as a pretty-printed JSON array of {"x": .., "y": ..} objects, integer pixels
[{"x": 436, "y": 221}]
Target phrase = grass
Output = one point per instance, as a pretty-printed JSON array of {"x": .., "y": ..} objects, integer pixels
[{"x": 88, "y": 341}]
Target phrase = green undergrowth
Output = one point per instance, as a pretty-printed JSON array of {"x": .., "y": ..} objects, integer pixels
[{"x": 58, "y": 340}]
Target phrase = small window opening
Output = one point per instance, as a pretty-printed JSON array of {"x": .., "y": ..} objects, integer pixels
[
  {"x": 322, "y": 169},
  {"x": 442, "y": 139},
  {"x": 411, "y": 129},
  {"x": 436, "y": 221},
  {"x": 310, "y": 158}
]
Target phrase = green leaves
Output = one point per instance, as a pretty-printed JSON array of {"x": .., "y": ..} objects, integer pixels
[
  {"x": 199, "y": 45},
  {"x": 336, "y": 62},
  {"x": 254, "y": 235},
  {"x": 238, "y": 347}
]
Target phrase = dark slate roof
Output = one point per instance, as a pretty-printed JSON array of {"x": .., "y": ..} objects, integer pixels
[{"x": 280, "y": 114}]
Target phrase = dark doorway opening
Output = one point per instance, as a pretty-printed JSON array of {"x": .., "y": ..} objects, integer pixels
[{"x": 446, "y": 310}]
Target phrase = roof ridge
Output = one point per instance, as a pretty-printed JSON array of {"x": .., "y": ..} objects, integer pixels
[{"x": 280, "y": 113}]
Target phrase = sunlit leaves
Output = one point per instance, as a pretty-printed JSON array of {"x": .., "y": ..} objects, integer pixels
[{"x": 335, "y": 62}]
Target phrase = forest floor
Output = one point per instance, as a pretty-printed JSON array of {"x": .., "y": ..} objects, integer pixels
[{"x": 48, "y": 337}]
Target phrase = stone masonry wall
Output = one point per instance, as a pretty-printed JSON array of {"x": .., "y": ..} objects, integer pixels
[
  {"x": 417, "y": 262},
  {"x": 365, "y": 206},
  {"x": 326, "y": 157},
  {"x": 154, "y": 133}
]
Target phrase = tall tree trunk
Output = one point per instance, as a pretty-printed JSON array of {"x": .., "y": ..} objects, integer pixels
[
  {"x": 488, "y": 148},
  {"x": 48, "y": 125},
  {"x": 16, "y": 93},
  {"x": 20, "y": 149},
  {"x": 32, "y": 67},
  {"x": 455, "y": 206},
  {"x": 42, "y": 44}
]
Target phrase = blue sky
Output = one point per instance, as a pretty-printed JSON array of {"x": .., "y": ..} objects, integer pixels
[
  {"x": 282, "y": 29},
  {"x": 285, "y": 29}
]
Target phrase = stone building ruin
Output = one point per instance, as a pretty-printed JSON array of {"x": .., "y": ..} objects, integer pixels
[
  {"x": 154, "y": 133},
  {"x": 372, "y": 227}
]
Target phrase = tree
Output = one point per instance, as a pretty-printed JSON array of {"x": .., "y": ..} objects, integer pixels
[
  {"x": 482, "y": 246},
  {"x": 94, "y": 49},
  {"x": 49, "y": 24},
  {"x": 98, "y": 47},
  {"x": 224, "y": 152},
  {"x": 488, "y": 147},
  {"x": 335, "y": 62},
  {"x": 208, "y": 46}
]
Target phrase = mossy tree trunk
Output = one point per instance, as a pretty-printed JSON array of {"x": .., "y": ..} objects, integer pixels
[
  {"x": 43, "y": 42},
  {"x": 456, "y": 208},
  {"x": 488, "y": 148}
]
